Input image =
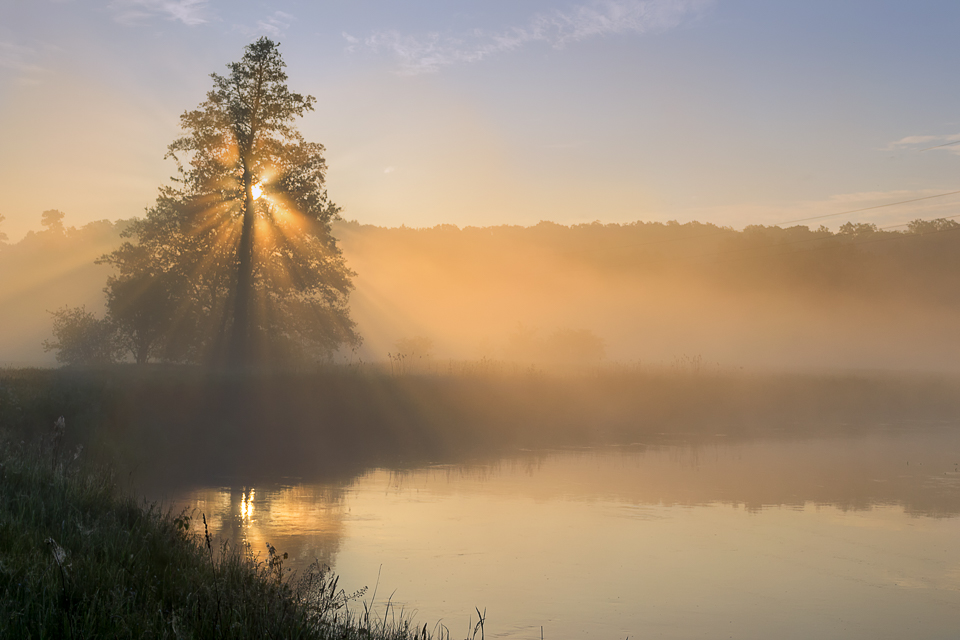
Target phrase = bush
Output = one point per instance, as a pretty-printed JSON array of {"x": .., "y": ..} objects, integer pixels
[{"x": 83, "y": 339}]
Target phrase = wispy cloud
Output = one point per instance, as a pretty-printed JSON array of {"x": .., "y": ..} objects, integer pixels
[
  {"x": 430, "y": 52},
  {"x": 924, "y": 143},
  {"x": 276, "y": 24},
  {"x": 189, "y": 12},
  {"x": 16, "y": 57},
  {"x": 352, "y": 41},
  {"x": 21, "y": 61}
]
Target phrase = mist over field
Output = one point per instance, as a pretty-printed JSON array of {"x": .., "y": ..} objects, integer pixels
[{"x": 660, "y": 295}]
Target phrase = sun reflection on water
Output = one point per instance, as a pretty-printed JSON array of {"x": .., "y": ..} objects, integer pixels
[{"x": 246, "y": 506}]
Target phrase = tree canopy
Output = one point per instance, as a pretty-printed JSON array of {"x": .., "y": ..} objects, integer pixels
[{"x": 236, "y": 261}]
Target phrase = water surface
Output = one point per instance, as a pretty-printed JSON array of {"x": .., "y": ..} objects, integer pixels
[{"x": 853, "y": 536}]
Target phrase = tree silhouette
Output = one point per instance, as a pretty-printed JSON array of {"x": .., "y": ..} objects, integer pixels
[
  {"x": 236, "y": 262},
  {"x": 80, "y": 338},
  {"x": 52, "y": 220}
]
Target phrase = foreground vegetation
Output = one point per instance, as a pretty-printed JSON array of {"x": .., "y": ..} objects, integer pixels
[{"x": 77, "y": 560}]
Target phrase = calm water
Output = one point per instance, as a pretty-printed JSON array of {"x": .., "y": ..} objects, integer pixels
[{"x": 846, "y": 537}]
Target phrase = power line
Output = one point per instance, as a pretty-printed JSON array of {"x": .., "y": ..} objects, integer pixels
[
  {"x": 731, "y": 255},
  {"x": 902, "y": 236},
  {"x": 724, "y": 231},
  {"x": 879, "y": 206},
  {"x": 939, "y": 145}
]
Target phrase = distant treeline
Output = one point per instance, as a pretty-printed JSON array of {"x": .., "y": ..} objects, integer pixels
[
  {"x": 921, "y": 260},
  {"x": 769, "y": 296}
]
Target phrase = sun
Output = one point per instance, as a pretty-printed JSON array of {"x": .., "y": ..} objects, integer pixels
[{"x": 257, "y": 190}]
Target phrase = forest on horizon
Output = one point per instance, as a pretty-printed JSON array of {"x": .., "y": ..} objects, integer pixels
[{"x": 644, "y": 292}]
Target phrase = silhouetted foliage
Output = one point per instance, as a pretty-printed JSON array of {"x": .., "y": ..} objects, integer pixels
[
  {"x": 53, "y": 220},
  {"x": 932, "y": 226},
  {"x": 3, "y": 236},
  {"x": 80, "y": 338},
  {"x": 858, "y": 229},
  {"x": 237, "y": 262},
  {"x": 140, "y": 304}
]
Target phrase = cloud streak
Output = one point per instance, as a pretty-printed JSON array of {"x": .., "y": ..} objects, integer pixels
[
  {"x": 276, "y": 24},
  {"x": 430, "y": 52},
  {"x": 19, "y": 60},
  {"x": 16, "y": 57},
  {"x": 950, "y": 142},
  {"x": 189, "y": 12}
]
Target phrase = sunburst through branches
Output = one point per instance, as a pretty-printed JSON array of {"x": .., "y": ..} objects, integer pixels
[{"x": 236, "y": 263}]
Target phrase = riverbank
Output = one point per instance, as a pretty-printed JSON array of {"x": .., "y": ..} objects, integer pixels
[
  {"x": 187, "y": 423},
  {"x": 80, "y": 560}
]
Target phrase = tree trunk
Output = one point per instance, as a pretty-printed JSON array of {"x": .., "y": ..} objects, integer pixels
[{"x": 240, "y": 347}]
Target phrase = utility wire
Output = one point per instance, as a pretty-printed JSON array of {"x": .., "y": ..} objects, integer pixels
[
  {"x": 723, "y": 231},
  {"x": 902, "y": 236},
  {"x": 939, "y": 145},
  {"x": 879, "y": 206},
  {"x": 704, "y": 259},
  {"x": 701, "y": 260},
  {"x": 726, "y": 230}
]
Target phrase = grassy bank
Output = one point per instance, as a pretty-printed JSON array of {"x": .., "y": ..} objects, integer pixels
[
  {"x": 78, "y": 560},
  {"x": 330, "y": 423}
]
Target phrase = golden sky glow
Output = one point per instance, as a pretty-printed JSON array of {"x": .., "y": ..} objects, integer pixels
[{"x": 712, "y": 110}]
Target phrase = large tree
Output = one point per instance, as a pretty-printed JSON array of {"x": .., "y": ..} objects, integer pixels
[{"x": 236, "y": 261}]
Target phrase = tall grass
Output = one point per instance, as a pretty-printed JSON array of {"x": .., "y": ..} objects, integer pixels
[{"x": 78, "y": 560}]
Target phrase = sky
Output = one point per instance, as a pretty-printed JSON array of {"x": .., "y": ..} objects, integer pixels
[{"x": 734, "y": 112}]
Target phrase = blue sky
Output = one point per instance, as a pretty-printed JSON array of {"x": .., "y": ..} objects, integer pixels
[{"x": 476, "y": 113}]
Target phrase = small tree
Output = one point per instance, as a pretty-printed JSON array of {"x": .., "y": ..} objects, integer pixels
[
  {"x": 83, "y": 339},
  {"x": 53, "y": 220},
  {"x": 3, "y": 236}
]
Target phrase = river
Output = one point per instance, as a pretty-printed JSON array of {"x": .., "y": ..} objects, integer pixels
[{"x": 848, "y": 536}]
